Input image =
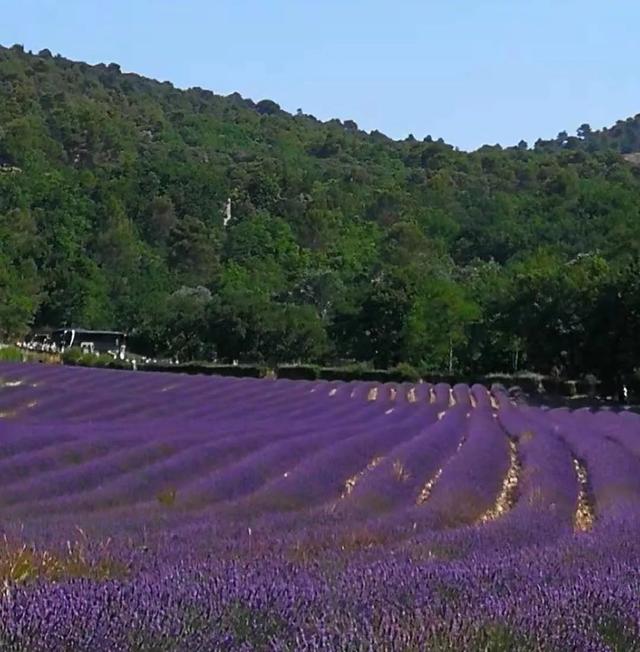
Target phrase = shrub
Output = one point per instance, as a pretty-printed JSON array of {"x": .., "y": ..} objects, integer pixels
[
  {"x": 76, "y": 357},
  {"x": 356, "y": 371},
  {"x": 20, "y": 564},
  {"x": 11, "y": 354},
  {"x": 299, "y": 372},
  {"x": 72, "y": 356},
  {"x": 407, "y": 372},
  {"x": 208, "y": 369},
  {"x": 167, "y": 497}
]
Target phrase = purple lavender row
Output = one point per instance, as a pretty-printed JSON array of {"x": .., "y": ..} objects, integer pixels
[
  {"x": 613, "y": 474},
  {"x": 55, "y": 483},
  {"x": 17, "y": 437},
  {"x": 397, "y": 481},
  {"x": 624, "y": 431},
  {"x": 186, "y": 473},
  {"x": 519, "y": 601},
  {"x": 481, "y": 396},
  {"x": 470, "y": 483},
  {"x": 87, "y": 393},
  {"x": 547, "y": 481},
  {"x": 173, "y": 461},
  {"x": 333, "y": 473},
  {"x": 278, "y": 459},
  {"x": 461, "y": 395},
  {"x": 119, "y": 479},
  {"x": 58, "y": 452}
]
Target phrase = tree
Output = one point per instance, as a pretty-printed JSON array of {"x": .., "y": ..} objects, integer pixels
[
  {"x": 161, "y": 219},
  {"x": 18, "y": 301},
  {"x": 584, "y": 131},
  {"x": 185, "y": 328},
  {"x": 436, "y": 326},
  {"x": 610, "y": 347},
  {"x": 375, "y": 331},
  {"x": 193, "y": 251},
  {"x": 267, "y": 107},
  {"x": 343, "y": 244},
  {"x": 20, "y": 292}
]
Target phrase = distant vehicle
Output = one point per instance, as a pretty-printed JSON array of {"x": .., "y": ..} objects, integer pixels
[
  {"x": 113, "y": 342},
  {"x": 41, "y": 342}
]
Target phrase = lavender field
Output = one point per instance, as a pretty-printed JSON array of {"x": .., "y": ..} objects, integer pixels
[{"x": 169, "y": 512}]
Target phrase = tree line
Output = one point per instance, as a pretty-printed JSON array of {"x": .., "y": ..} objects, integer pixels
[{"x": 218, "y": 227}]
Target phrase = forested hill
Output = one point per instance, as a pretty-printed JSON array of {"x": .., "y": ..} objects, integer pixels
[
  {"x": 342, "y": 245},
  {"x": 623, "y": 137}
]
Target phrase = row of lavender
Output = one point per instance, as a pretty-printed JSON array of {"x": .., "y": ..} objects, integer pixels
[
  {"x": 251, "y": 514},
  {"x": 436, "y": 454}
]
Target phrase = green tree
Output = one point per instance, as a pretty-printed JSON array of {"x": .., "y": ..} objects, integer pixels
[
  {"x": 20, "y": 290},
  {"x": 437, "y": 325},
  {"x": 193, "y": 251}
]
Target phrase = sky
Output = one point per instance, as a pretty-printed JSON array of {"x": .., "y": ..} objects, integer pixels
[{"x": 470, "y": 71}]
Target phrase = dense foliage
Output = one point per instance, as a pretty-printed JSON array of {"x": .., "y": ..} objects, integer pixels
[
  {"x": 310, "y": 516},
  {"x": 341, "y": 245}
]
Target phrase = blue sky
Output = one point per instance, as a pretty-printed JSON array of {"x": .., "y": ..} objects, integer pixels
[{"x": 471, "y": 71}]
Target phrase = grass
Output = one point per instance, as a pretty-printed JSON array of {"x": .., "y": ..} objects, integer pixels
[
  {"x": 167, "y": 497},
  {"x": 618, "y": 635},
  {"x": 10, "y": 354},
  {"x": 21, "y": 564}
]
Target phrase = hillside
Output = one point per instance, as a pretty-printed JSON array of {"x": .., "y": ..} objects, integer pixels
[
  {"x": 342, "y": 245},
  {"x": 623, "y": 137}
]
